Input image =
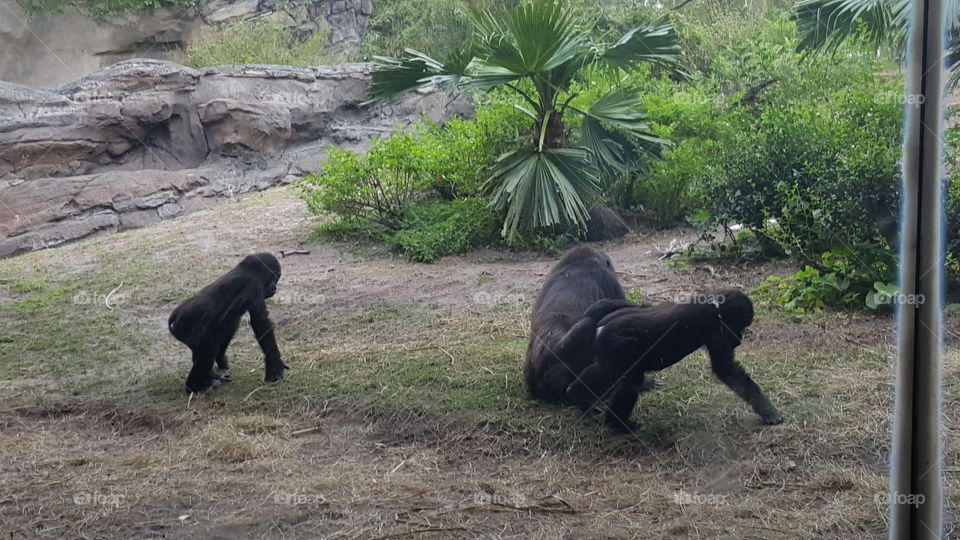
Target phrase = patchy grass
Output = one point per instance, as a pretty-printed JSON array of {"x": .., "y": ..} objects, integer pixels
[{"x": 404, "y": 411}]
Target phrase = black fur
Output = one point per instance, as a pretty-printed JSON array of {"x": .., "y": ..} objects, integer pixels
[
  {"x": 560, "y": 336},
  {"x": 632, "y": 341},
  {"x": 208, "y": 321}
]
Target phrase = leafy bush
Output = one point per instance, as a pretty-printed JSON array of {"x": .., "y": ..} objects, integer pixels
[
  {"x": 458, "y": 156},
  {"x": 849, "y": 277},
  {"x": 391, "y": 193},
  {"x": 258, "y": 42},
  {"x": 434, "y": 27},
  {"x": 438, "y": 229},
  {"x": 377, "y": 188},
  {"x": 826, "y": 175}
]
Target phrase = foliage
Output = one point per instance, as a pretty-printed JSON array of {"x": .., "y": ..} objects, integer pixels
[
  {"x": 437, "y": 229},
  {"x": 434, "y": 27},
  {"x": 825, "y": 24},
  {"x": 257, "y": 42},
  {"x": 537, "y": 51},
  {"x": 98, "y": 9},
  {"x": 391, "y": 193},
  {"x": 377, "y": 188},
  {"x": 814, "y": 177},
  {"x": 852, "y": 277},
  {"x": 457, "y": 157}
]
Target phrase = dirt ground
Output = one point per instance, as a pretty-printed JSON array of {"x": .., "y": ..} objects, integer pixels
[{"x": 403, "y": 415}]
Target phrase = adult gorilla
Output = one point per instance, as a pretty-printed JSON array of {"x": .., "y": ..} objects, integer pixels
[{"x": 561, "y": 337}]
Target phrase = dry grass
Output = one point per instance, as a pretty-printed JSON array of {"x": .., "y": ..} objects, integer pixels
[{"x": 404, "y": 418}]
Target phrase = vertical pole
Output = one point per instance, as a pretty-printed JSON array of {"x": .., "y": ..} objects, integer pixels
[{"x": 916, "y": 491}]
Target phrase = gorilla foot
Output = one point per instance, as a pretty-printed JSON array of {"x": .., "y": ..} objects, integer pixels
[
  {"x": 772, "y": 418},
  {"x": 649, "y": 384},
  {"x": 622, "y": 426},
  {"x": 199, "y": 388}
]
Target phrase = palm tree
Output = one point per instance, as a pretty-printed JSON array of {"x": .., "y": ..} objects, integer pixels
[
  {"x": 824, "y": 24},
  {"x": 537, "y": 50}
]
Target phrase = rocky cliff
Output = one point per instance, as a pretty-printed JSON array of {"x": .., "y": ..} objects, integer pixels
[
  {"x": 53, "y": 49},
  {"x": 144, "y": 140}
]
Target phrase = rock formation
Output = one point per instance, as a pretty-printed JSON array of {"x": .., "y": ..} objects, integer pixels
[
  {"x": 55, "y": 48},
  {"x": 144, "y": 140}
]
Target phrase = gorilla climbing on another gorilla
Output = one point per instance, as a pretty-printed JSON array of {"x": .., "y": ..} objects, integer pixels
[
  {"x": 589, "y": 346},
  {"x": 208, "y": 321},
  {"x": 632, "y": 341},
  {"x": 560, "y": 337}
]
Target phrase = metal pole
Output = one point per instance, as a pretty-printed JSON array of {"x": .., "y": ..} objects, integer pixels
[{"x": 916, "y": 490}]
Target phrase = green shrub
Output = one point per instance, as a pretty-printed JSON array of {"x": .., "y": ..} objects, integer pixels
[
  {"x": 438, "y": 229},
  {"x": 828, "y": 175},
  {"x": 458, "y": 156},
  {"x": 390, "y": 193},
  {"x": 434, "y": 27},
  {"x": 376, "y": 188},
  {"x": 849, "y": 277},
  {"x": 257, "y": 42}
]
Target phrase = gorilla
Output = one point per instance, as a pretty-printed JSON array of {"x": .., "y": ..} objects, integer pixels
[
  {"x": 630, "y": 341},
  {"x": 560, "y": 336},
  {"x": 208, "y": 321}
]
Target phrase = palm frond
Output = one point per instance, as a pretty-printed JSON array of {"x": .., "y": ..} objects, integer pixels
[
  {"x": 824, "y": 24},
  {"x": 655, "y": 42},
  {"x": 542, "y": 189},
  {"x": 395, "y": 76},
  {"x": 619, "y": 111},
  {"x": 533, "y": 38}
]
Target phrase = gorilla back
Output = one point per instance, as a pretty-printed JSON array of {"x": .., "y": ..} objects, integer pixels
[
  {"x": 208, "y": 321},
  {"x": 560, "y": 341}
]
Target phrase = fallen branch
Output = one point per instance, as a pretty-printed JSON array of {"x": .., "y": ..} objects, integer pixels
[{"x": 294, "y": 252}]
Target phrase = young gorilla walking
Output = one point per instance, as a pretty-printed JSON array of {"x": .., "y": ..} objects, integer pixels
[
  {"x": 631, "y": 341},
  {"x": 208, "y": 321}
]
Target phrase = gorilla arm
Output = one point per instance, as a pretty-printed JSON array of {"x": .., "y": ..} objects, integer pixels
[{"x": 263, "y": 330}]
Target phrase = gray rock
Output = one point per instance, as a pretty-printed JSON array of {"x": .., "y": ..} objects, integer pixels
[
  {"x": 132, "y": 143},
  {"x": 605, "y": 224},
  {"x": 53, "y": 48}
]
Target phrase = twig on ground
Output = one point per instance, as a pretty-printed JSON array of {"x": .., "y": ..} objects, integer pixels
[{"x": 306, "y": 431}]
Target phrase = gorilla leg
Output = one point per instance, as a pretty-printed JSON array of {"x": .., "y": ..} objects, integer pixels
[
  {"x": 621, "y": 405},
  {"x": 201, "y": 374},
  {"x": 572, "y": 352},
  {"x": 223, "y": 363},
  {"x": 592, "y": 386},
  {"x": 736, "y": 378}
]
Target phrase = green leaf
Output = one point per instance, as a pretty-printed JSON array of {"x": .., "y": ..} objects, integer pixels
[
  {"x": 824, "y": 24},
  {"x": 542, "y": 189},
  {"x": 655, "y": 42},
  {"x": 618, "y": 111},
  {"x": 395, "y": 76}
]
